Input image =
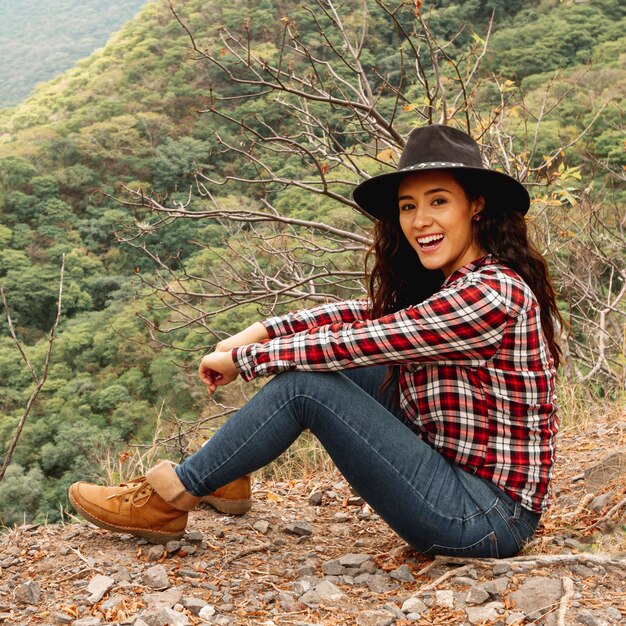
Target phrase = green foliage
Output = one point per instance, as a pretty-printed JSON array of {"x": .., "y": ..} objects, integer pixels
[
  {"x": 33, "y": 50},
  {"x": 20, "y": 494}
]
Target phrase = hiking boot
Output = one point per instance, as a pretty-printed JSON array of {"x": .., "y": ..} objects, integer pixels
[
  {"x": 133, "y": 507},
  {"x": 233, "y": 499}
]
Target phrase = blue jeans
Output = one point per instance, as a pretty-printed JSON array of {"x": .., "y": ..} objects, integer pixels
[{"x": 434, "y": 505}]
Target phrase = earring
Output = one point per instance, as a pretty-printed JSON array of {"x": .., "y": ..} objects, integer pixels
[{"x": 476, "y": 217}]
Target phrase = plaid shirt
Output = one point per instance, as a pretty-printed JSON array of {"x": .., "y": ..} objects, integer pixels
[{"x": 477, "y": 381}]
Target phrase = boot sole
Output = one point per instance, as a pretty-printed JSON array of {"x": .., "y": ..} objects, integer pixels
[
  {"x": 151, "y": 535},
  {"x": 227, "y": 505}
]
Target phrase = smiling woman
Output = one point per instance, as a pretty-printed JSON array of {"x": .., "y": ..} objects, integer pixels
[{"x": 435, "y": 397}]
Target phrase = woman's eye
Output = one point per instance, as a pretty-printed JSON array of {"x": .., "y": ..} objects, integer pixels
[
  {"x": 438, "y": 201},
  {"x": 406, "y": 207}
]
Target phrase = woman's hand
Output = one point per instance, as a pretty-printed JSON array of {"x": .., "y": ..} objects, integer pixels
[
  {"x": 217, "y": 369},
  {"x": 253, "y": 334}
]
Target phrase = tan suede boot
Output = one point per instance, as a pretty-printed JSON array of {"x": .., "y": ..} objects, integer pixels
[
  {"x": 235, "y": 498},
  {"x": 154, "y": 507}
]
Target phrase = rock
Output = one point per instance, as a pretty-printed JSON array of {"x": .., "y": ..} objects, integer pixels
[
  {"x": 316, "y": 497},
  {"x": 487, "y": 613},
  {"x": 379, "y": 583},
  {"x": 87, "y": 621},
  {"x": 28, "y": 592},
  {"x": 305, "y": 570},
  {"x": 496, "y": 587},
  {"x": 112, "y": 603},
  {"x": 444, "y": 598},
  {"x": 328, "y": 592},
  {"x": 188, "y": 572},
  {"x": 332, "y": 568},
  {"x": 206, "y": 612},
  {"x": 301, "y": 528},
  {"x": 173, "y": 546},
  {"x": 62, "y": 618},
  {"x": 156, "y": 577},
  {"x": 501, "y": 568},
  {"x": 595, "y": 618},
  {"x": 604, "y": 472},
  {"x": 403, "y": 574},
  {"x": 354, "y": 560},
  {"x": 476, "y": 595},
  {"x": 154, "y": 553},
  {"x": 195, "y": 536},
  {"x": 97, "y": 587},
  {"x": 394, "y": 610},
  {"x": 599, "y": 502},
  {"x": 613, "y": 614},
  {"x": 163, "y": 600},
  {"x": 413, "y": 605},
  {"x": 516, "y": 618},
  {"x": 537, "y": 595},
  {"x": 194, "y": 605},
  {"x": 375, "y": 618},
  {"x": 341, "y": 517},
  {"x": 262, "y": 526},
  {"x": 164, "y": 617},
  {"x": 310, "y": 598}
]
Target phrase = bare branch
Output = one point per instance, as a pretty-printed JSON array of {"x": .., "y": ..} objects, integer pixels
[{"x": 39, "y": 380}]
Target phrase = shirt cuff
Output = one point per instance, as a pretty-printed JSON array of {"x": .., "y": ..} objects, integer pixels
[{"x": 244, "y": 360}]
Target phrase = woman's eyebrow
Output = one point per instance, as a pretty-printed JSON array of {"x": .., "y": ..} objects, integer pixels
[
  {"x": 430, "y": 192},
  {"x": 436, "y": 190}
]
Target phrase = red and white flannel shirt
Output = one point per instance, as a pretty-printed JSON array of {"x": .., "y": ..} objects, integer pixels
[{"x": 477, "y": 381}]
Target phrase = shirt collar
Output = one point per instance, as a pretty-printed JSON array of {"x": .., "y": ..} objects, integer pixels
[{"x": 464, "y": 270}]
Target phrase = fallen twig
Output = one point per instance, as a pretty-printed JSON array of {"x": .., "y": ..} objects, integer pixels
[
  {"x": 568, "y": 588},
  {"x": 258, "y": 548},
  {"x": 531, "y": 561}
]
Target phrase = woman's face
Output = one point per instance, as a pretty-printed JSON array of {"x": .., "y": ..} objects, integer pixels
[{"x": 436, "y": 218}]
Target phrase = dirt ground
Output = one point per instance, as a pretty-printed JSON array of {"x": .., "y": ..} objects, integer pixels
[{"x": 288, "y": 561}]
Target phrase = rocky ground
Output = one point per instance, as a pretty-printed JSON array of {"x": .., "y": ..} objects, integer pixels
[{"x": 310, "y": 552}]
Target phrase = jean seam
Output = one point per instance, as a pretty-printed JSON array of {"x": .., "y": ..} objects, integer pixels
[{"x": 506, "y": 518}]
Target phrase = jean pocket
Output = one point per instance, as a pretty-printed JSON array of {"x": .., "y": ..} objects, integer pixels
[{"x": 485, "y": 547}]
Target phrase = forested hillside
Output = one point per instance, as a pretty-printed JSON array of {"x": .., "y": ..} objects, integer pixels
[
  {"x": 39, "y": 39},
  {"x": 99, "y": 172}
]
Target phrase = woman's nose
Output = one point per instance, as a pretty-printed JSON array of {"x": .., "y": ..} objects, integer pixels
[{"x": 421, "y": 218}]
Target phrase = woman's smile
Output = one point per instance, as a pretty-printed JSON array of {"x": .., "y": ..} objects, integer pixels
[{"x": 430, "y": 242}]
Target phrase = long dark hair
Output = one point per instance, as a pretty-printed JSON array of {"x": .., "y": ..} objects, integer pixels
[{"x": 398, "y": 279}]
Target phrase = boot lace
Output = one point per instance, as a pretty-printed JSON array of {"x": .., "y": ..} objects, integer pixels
[{"x": 138, "y": 490}]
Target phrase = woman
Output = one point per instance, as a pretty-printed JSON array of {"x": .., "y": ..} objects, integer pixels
[{"x": 435, "y": 397}]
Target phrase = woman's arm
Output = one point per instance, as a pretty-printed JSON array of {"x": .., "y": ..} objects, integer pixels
[
  {"x": 464, "y": 325},
  {"x": 255, "y": 333},
  {"x": 321, "y": 315}
]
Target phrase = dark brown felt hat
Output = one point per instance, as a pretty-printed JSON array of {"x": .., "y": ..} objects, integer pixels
[{"x": 437, "y": 147}]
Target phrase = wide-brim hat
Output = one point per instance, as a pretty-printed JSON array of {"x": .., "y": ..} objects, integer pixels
[{"x": 437, "y": 147}]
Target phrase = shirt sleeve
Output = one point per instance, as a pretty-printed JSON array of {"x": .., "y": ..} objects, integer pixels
[
  {"x": 332, "y": 313},
  {"x": 461, "y": 325}
]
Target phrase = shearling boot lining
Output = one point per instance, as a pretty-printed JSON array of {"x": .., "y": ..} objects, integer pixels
[{"x": 166, "y": 483}]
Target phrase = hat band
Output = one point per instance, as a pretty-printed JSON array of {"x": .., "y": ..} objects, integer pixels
[{"x": 437, "y": 164}]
